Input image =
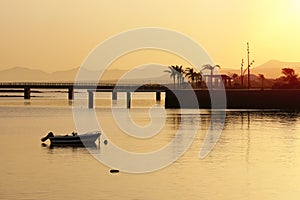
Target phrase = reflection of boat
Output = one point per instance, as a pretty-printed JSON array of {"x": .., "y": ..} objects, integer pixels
[
  {"x": 74, "y": 139},
  {"x": 70, "y": 145},
  {"x": 92, "y": 145}
]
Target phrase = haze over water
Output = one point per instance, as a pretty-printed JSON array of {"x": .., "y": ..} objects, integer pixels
[
  {"x": 256, "y": 157},
  {"x": 258, "y": 153}
]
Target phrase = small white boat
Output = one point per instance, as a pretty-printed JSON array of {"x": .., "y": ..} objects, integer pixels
[{"x": 86, "y": 139}]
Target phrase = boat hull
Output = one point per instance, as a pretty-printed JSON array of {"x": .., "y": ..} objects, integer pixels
[{"x": 88, "y": 138}]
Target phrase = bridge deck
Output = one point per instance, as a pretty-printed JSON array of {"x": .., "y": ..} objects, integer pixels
[{"x": 83, "y": 85}]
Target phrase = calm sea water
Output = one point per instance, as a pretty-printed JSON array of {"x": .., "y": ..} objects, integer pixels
[{"x": 256, "y": 157}]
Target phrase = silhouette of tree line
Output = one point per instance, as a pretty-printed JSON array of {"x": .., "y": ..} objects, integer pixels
[
  {"x": 192, "y": 74},
  {"x": 289, "y": 79}
]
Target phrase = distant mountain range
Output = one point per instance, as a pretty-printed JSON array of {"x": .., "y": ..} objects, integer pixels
[
  {"x": 270, "y": 69},
  {"x": 149, "y": 74}
]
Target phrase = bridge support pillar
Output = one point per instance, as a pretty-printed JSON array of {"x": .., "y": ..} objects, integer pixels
[
  {"x": 91, "y": 99},
  {"x": 114, "y": 95},
  {"x": 27, "y": 93},
  {"x": 128, "y": 100},
  {"x": 158, "y": 96},
  {"x": 70, "y": 93}
]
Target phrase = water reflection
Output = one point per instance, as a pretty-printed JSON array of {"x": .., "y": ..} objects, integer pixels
[
  {"x": 75, "y": 148},
  {"x": 70, "y": 102},
  {"x": 256, "y": 157}
]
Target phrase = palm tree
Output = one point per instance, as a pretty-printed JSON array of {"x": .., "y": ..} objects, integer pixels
[
  {"x": 179, "y": 74},
  {"x": 190, "y": 73},
  {"x": 176, "y": 72},
  {"x": 173, "y": 73},
  {"x": 290, "y": 76},
  {"x": 211, "y": 68},
  {"x": 262, "y": 78}
]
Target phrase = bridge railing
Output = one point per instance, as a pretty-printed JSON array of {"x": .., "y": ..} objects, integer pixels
[
  {"x": 79, "y": 84},
  {"x": 52, "y": 83}
]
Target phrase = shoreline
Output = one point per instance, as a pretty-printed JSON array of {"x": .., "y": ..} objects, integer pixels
[{"x": 235, "y": 99}]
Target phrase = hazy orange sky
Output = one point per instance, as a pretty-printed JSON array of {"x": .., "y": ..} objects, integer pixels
[{"x": 56, "y": 35}]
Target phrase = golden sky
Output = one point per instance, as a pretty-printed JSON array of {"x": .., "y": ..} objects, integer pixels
[{"x": 58, "y": 35}]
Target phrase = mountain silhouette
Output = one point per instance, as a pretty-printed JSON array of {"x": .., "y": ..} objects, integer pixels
[
  {"x": 140, "y": 75},
  {"x": 270, "y": 69},
  {"x": 147, "y": 74},
  {"x": 23, "y": 74}
]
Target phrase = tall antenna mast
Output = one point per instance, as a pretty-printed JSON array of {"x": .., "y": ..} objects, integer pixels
[
  {"x": 249, "y": 64},
  {"x": 248, "y": 52}
]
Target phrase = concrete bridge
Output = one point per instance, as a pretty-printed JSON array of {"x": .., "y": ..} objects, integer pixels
[
  {"x": 27, "y": 86},
  {"x": 90, "y": 87},
  {"x": 235, "y": 98}
]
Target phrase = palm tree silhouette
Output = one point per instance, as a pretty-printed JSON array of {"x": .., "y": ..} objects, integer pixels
[
  {"x": 194, "y": 76},
  {"x": 211, "y": 68},
  {"x": 176, "y": 72},
  {"x": 180, "y": 72},
  {"x": 173, "y": 73},
  {"x": 290, "y": 76},
  {"x": 190, "y": 73}
]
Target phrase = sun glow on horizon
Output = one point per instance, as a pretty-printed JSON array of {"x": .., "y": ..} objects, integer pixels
[
  {"x": 52, "y": 36},
  {"x": 294, "y": 6}
]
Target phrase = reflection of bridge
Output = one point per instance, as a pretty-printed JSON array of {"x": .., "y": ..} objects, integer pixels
[{"x": 90, "y": 87}]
